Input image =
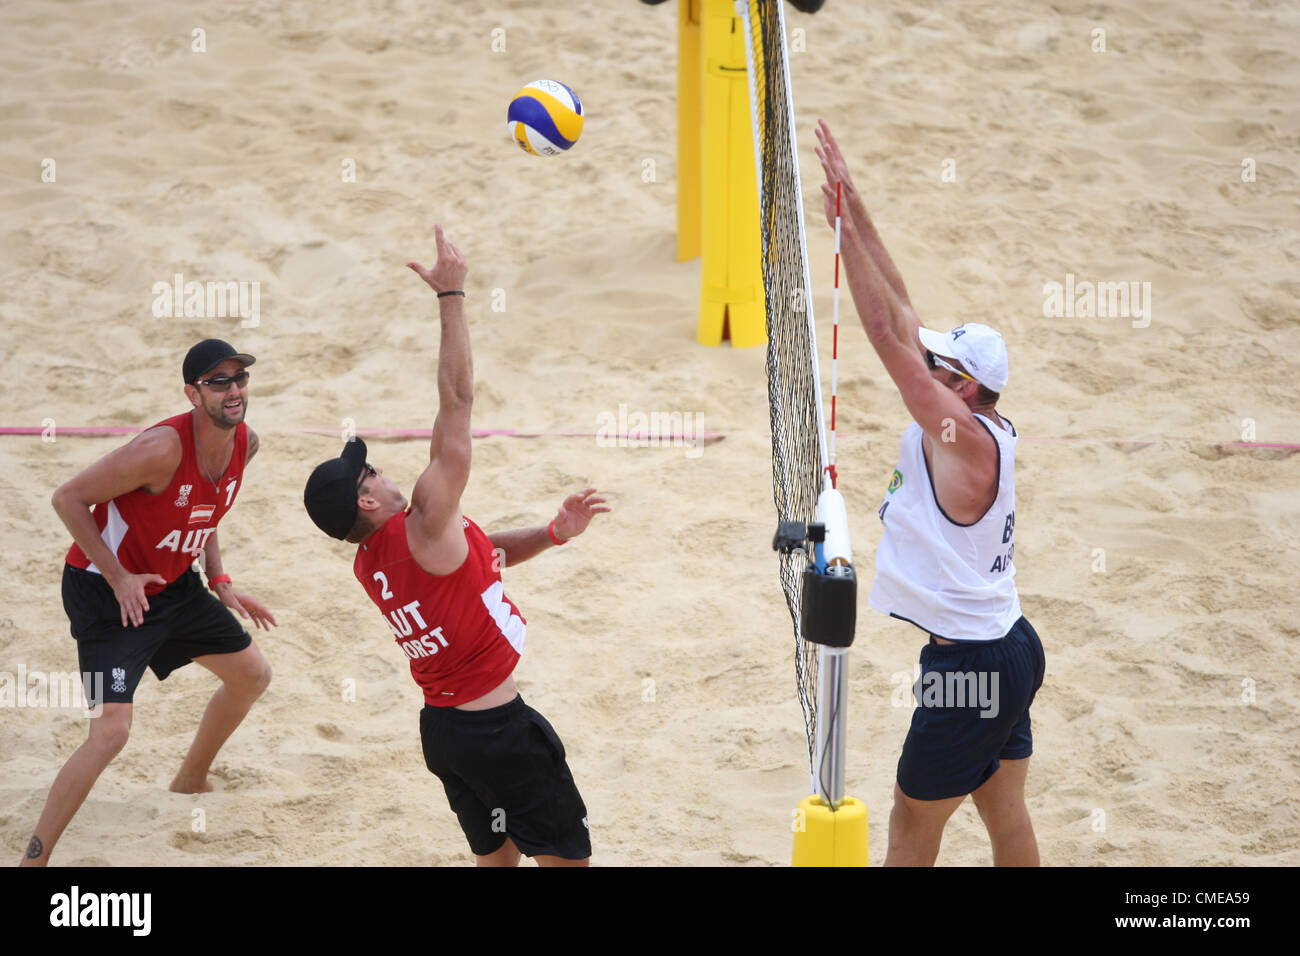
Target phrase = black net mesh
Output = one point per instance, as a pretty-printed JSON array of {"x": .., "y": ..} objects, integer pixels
[{"x": 791, "y": 357}]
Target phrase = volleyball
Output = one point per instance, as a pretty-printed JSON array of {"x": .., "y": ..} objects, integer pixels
[{"x": 545, "y": 118}]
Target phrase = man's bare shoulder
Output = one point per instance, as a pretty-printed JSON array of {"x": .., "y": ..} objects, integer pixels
[
  {"x": 965, "y": 482},
  {"x": 159, "y": 439},
  {"x": 156, "y": 450},
  {"x": 148, "y": 461}
]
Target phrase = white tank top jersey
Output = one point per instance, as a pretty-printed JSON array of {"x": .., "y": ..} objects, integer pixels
[{"x": 953, "y": 580}]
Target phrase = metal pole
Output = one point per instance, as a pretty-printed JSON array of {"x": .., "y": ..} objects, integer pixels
[{"x": 832, "y": 714}]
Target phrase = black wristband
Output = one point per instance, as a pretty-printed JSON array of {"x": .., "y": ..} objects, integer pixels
[{"x": 443, "y": 295}]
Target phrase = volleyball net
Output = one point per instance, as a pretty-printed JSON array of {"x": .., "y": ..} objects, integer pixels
[
  {"x": 799, "y": 459},
  {"x": 812, "y": 538}
]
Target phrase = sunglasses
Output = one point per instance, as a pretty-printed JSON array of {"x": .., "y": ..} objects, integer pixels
[
  {"x": 933, "y": 361},
  {"x": 367, "y": 471},
  {"x": 222, "y": 382}
]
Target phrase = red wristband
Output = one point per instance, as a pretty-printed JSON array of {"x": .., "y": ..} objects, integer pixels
[
  {"x": 219, "y": 579},
  {"x": 550, "y": 533}
]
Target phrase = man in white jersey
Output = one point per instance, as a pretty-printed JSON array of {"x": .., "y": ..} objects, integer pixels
[{"x": 944, "y": 562}]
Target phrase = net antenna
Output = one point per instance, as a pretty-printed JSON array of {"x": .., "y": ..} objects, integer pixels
[{"x": 817, "y": 572}]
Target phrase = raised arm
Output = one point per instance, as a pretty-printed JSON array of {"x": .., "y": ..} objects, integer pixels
[
  {"x": 888, "y": 318},
  {"x": 854, "y": 211},
  {"x": 147, "y": 461},
  {"x": 435, "y": 502}
]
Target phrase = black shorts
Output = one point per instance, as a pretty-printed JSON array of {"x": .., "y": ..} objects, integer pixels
[
  {"x": 504, "y": 773},
  {"x": 184, "y": 621},
  {"x": 972, "y": 712}
]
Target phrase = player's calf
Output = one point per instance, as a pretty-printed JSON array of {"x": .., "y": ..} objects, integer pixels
[
  {"x": 916, "y": 829},
  {"x": 108, "y": 736},
  {"x": 244, "y": 676},
  {"x": 1001, "y": 805}
]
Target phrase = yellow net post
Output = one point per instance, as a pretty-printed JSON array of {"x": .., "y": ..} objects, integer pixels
[
  {"x": 688, "y": 129},
  {"x": 717, "y": 199}
]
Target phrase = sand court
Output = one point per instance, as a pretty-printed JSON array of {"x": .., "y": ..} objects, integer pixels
[{"x": 1156, "y": 549}]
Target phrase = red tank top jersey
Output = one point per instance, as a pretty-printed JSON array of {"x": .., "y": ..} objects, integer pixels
[
  {"x": 163, "y": 533},
  {"x": 460, "y": 631}
]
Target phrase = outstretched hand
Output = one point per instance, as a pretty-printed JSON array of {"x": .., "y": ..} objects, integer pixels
[
  {"x": 448, "y": 273},
  {"x": 576, "y": 513},
  {"x": 837, "y": 171}
]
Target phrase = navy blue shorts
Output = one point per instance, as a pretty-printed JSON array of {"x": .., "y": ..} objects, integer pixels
[{"x": 972, "y": 712}]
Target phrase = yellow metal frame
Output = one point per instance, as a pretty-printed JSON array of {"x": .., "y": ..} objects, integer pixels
[{"x": 717, "y": 192}]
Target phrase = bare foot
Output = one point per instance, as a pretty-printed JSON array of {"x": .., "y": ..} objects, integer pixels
[{"x": 181, "y": 785}]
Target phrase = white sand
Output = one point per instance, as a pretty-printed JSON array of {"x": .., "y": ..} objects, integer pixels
[{"x": 226, "y": 165}]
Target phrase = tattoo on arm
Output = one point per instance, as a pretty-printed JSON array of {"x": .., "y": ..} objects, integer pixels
[
  {"x": 35, "y": 848},
  {"x": 253, "y": 445}
]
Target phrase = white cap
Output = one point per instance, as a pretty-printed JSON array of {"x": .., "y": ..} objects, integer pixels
[{"x": 979, "y": 348}]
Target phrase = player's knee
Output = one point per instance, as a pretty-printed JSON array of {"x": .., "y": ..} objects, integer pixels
[
  {"x": 263, "y": 677},
  {"x": 109, "y": 734},
  {"x": 252, "y": 678}
]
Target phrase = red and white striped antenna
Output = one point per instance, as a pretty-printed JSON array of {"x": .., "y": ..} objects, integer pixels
[{"x": 835, "y": 338}]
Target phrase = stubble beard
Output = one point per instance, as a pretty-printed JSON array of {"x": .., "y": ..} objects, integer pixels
[{"x": 220, "y": 416}]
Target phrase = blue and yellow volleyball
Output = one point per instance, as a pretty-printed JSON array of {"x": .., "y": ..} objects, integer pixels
[{"x": 545, "y": 118}]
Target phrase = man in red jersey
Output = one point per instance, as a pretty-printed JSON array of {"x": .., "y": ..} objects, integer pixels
[
  {"x": 436, "y": 578},
  {"x": 131, "y": 593}
]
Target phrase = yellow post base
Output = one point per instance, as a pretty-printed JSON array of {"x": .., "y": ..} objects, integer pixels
[{"x": 828, "y": 838}]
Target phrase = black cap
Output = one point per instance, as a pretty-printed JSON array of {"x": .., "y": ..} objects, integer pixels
[
  {"x": 207, "y": 355},
  {"x": 331, "y": 494}
]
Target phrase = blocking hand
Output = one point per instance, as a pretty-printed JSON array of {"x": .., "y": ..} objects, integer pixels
[{"x": 837, "y": 171}]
